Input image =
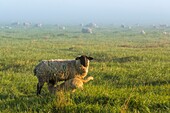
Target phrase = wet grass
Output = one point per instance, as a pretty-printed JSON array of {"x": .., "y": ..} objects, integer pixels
[{"x": 131, "y": 71}]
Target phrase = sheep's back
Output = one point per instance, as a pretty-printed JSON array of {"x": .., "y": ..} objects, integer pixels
[
  {"x": 58, "y": 69},
  {"x": 56, "y": 66}
]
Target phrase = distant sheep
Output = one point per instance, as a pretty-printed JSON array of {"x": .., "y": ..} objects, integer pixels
[
  {"x": 38, "y": 25},
  {"x": 26, "y": 24},
  {"x": 52, "y": 71},
  {"x": 86, "y": 30},
  {"x": 71, "y": 85},
  {"x": 62, "y": 27},
  {"x": 143, "y": 32},
  {"x": 91, "y": 25},
  {"x": 165, "y": 33},
  {"x": 122, "y": 26}
]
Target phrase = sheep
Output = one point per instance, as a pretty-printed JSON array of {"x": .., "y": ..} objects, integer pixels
[
  {"x": 26, "y": 24},
  {"x": 70, "y": 85},
  {"x": 86, "y": 30},
  {"x": 62, "y": 27},
  {"x": 142, "y": 32},
  {"x": 53, "y": 71},
  {"x": 92, "y": 25},
  {"x": 165, "y": 33},
  {"x": 122, "y": 26},
  {"x": 38, "y": 25},
  {"x": 129, "y": 27}
]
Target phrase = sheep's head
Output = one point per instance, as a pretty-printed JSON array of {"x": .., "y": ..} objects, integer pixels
[{"x": 84, "y": 60}]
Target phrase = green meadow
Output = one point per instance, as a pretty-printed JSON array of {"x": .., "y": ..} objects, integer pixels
[{"x": 131, "y": 71}]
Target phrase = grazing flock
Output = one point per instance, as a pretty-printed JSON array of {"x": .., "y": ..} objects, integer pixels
[{"x": 89, "y": 28}]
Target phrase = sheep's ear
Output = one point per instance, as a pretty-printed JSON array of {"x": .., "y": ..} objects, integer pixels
[
  {"x": 90, "y": 58},
  {"x": 77, "y": 58}
]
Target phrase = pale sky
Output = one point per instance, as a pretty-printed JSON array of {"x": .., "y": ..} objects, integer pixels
[{"x": 85, "y": 11}]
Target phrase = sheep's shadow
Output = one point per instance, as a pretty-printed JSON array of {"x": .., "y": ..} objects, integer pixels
[
  {"x": 119, "y": 60},
  {"x": 14, "y": 67},
  {"x": 118, "y": 82},
  {"x": 127, "y": 59},
  {"x": 157, "y": 82}
]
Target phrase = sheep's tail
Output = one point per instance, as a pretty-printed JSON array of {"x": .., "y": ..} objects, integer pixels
[
  {"x": 88, "y": 79},
  {"x": 35, "y": 69}
]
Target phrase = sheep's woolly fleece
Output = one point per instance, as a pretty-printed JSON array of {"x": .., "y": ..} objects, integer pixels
[{"x": 59, "y": 70}]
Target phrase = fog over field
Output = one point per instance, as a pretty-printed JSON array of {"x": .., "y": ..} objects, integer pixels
[{"x": 84, "y": 11}]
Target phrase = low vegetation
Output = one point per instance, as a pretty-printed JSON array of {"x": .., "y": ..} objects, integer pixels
[{"x": 131, "y": 71}]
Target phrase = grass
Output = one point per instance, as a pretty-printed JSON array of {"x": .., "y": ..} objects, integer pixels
[{"x": 131, "y": 71}]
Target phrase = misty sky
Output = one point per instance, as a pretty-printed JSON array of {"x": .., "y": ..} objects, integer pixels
[{"x": 85, "y": 11}]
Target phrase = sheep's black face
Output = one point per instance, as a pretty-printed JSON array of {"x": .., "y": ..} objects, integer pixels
[{"x": 84, "y": 60}]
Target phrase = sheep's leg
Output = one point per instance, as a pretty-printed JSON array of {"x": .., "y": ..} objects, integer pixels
[
  {"x": 51, "y": 85},
  {"x": 51, "y": 88},
  {"x": 81, "y": 88},
  {"x": 39, "y": 87}
]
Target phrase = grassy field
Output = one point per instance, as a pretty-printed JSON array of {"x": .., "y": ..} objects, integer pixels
[{"x": 131, "y": 71}]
